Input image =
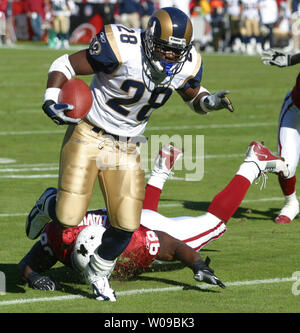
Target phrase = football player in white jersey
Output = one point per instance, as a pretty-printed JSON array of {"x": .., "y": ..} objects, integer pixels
[
  {"x": 251, "y": 29},
  {"x": 61, "y": 21},
  {"x": 135, "y": 72}
]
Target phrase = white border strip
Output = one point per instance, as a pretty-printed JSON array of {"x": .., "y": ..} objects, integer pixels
[{"x": 145, "y": 291}]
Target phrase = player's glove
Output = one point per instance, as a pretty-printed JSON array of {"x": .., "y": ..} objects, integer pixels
[
  {"x": 36, "y": 281},
  {"x": 57, "y": 112},
  {"x": 275, "y": 58},
  {"x": 204, "y": 273},
  {"x": 218, "y": 101}
]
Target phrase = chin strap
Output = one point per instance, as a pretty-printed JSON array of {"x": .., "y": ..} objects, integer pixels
[
  {"x": 167, "y": 67},
  {"x": 154, "y": 74},
  {"x": 163, "y": 67}
]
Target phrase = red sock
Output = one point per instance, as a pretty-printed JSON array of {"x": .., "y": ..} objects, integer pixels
[
  {"x": 287, "y": 185},
  {"x": 227, "y": 201},
  {"x": 152, "y": 196}
]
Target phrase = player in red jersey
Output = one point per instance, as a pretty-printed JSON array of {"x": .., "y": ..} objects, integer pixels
[
  {"x": 73, "y": 246},
  {"x": 76, "y": 244},
  {"x": 288, "y": 135}
]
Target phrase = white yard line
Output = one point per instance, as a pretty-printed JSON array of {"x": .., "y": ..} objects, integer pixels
[
  {"x": 153, "y": 128},
  {"x": 27, "y": 165},
  {"x": 32, "y": 132},
  {"x": 4, "y": 160},
  {"x": 169, "y": 205},
  {"x": 214, "y": 126},
  {"x": 51, "y": 167},
  {"x": 29, "y": 176},
  {"x": 18, "y": 169},
  {"x": 11, "y": 169},
  {"x": 13, "y": 214},
  {"x": 146, "y": 291}
]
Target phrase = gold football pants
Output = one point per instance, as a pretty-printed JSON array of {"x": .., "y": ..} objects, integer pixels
[
  {"x": 61, "y": 24},
  {"x": 250, "y": 28},
  {"x": 86, "y": 156}
]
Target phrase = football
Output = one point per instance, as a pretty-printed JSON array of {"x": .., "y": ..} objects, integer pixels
[{"x": 76, "y": 92}]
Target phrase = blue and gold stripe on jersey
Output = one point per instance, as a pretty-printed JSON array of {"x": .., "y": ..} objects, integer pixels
[
  {"x": 103, "y": 54},
  {"x": 195, "y": 78}
]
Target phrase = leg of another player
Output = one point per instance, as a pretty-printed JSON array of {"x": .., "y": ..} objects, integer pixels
[
  {"x": 35, "y": 262},
  {"x": 291, "y": 204},
  {"x": 289, "y": 149},
  {"x": 198, "y": 231},
  {"x": 161, "y": 171},
  {"x": 152, "y": 196},
  {"x": 259, "y": 160}
]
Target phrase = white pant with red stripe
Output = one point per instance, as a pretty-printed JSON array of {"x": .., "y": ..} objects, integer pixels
[
  {"x": 194, "y": 231},
  {"x": 289, "y": 134}
]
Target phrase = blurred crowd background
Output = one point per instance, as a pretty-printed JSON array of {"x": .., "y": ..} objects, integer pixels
[{"x": 240, "y": 26}]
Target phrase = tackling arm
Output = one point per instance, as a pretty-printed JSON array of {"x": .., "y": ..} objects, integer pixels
[
  {"x": 174, "y": 249},
  {"x": 37, "y": 261},
  {"x": 201, "y": 101}
]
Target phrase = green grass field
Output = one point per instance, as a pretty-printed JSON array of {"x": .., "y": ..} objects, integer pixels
[{"x": 255, "y": 258}]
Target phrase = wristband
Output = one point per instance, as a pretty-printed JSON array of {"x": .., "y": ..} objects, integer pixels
[
  {"x": 191, "y": 102},
  {"x": 52, "y": 94},
  {"x": 204, "y": 105},
  {"x": 199, "y": 265}
]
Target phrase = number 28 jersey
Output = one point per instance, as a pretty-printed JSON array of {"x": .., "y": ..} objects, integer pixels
[{"x": 122, "y": 103}]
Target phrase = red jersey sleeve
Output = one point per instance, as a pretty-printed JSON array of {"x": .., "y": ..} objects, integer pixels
[{"x": 296, "y": 92}]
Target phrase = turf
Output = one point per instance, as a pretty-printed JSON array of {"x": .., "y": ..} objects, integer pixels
[{"x": 253, "y": 249}]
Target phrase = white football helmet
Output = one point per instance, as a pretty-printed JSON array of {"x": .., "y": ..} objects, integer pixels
[{"x": 87, "y": 241}]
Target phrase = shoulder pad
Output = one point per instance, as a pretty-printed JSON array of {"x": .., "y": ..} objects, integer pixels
[{"x": 102, "y": 53}]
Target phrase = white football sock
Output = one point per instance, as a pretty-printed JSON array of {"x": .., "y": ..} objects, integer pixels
[
  {"x": 158, "y": 179},
  {"x": 291, "y": 197},
  {"x": 102, "y": 266},
  {"x": 249, "y": 170}
]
